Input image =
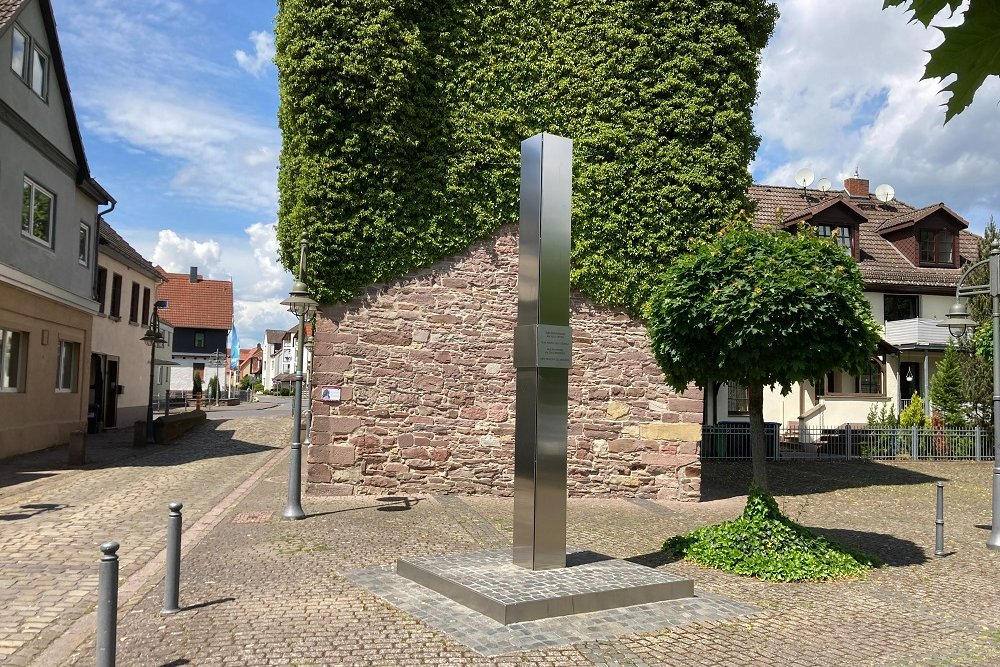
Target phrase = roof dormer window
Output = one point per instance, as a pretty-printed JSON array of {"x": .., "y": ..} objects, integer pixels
[{"x": 937, "y": 247}]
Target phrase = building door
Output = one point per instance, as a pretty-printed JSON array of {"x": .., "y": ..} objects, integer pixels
[
  {"x": 909, "y": 381},
  {"x": 111, "y": 395}
]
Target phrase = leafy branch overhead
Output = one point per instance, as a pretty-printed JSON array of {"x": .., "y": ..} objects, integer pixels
[{"x": 970, "y": 51}]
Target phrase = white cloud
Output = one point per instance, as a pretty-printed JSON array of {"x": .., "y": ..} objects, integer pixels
[
  {"x": 840, "y": 89},
  {"x": 263, "y": 55},
  {"x": 176, "y": 254}
]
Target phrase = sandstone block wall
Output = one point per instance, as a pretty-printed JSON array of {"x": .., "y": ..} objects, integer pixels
[{"x": 427, "y": 402}]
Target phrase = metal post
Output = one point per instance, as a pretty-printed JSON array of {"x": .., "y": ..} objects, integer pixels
[
  {"x": 939, "y": 522},
  {"x": 847, "y": 436},
  {"x": 542, "y": 352},
  {"x": 993, "y": 542},
  {"x": 979, "y": 443},
  {"x": 107, "y": 605},
  {"x": 293, "y": 509},
  {"x": 172, "y": 579}
]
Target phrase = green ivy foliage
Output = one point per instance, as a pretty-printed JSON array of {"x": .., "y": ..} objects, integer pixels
[
  {"x": 402, "y": 122},
  {"x": 766, "y": 544},
  {"x": 761, "y": 307}
]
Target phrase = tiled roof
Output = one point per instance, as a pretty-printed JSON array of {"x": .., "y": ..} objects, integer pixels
[
  {"x": 206, "y": 304},
  {"x": 112, "y": 239},
  {"x": 881, "y": 263},
  {"x": 248, "y": 352},
  {"x": 8, "y": 8},
  {"x": 274, "y": 336}
]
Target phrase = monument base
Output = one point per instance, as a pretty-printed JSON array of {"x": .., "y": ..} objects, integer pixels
[{"x": 489, "y": 583}]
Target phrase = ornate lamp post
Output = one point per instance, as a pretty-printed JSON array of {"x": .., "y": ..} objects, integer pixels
[
  {"x": 302, "y": 306},
  {"x": 958, "y": 324},
  {"x": 154, "y": 339},
  {"x": 310, "y": 346}
]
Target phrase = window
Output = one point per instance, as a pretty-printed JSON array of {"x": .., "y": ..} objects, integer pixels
[
  {"x": 36, "y": 213},
  {"x": 133, "y": 308},
  {"x": 102, "y": 287},
  {"x": 12, "y": 360},
  {"x": 841, "y": 234},
  {"x": 145, "y": 306},
  {"x": 67, "y": 372},
  {"x": 901, "y": 307},
  {"x": 84, "y": 255},
  {"x": 18, "y": 52},
  {"x": 199, "y": 339},
  {"x": 116, "y": 296},
  {"x": 738, "y": 402},
  {"x": 39, "y": 73},
  {"x": 870, "y": 381},
  {"x": 937, "y": 247}
]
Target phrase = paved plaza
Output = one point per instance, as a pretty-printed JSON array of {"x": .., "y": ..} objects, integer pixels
[{"x": 256, "y": 590}]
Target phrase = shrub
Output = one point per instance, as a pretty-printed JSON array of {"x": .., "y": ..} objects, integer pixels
[
  {"x": 764, "y": 543},
  {"x": 259, "y": 388},
  {"x": 213, "y": 388},
  {"x": 913, "y": 414}
]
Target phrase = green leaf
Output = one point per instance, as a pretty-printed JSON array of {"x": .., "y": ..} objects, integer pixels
[
  {"x": 970, "y": 51},
  {"x": 924, "y": 10}
]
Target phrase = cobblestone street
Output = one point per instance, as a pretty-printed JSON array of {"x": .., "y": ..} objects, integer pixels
[{"x": 256, "y": 590}]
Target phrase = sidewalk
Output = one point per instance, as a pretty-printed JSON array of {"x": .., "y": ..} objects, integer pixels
[
  {"x": 53, "y": 518},
  {"x": 261, "y": 591}
]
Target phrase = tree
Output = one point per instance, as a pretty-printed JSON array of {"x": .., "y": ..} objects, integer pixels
[
  {"x": 402, "y": 120},
  {"x": 759, "y": 308},
  {"x": 970, "y": 51},
  {"x": 946, "y": 389}
]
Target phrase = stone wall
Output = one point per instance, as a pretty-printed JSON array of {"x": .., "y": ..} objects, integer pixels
[{"x": 427, "y": 402}]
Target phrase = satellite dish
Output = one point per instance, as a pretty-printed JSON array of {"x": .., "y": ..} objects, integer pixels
[
  {"x": 804, "y": 177},
  {"x": 824, "y": 184},
  {"x": 885, "y": 193}
]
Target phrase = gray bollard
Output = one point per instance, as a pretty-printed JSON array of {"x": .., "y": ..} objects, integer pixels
[
  {"x": 172, "y": 578},
  {"x": 107, "y": 605},
  {"x": 939, "y": 532}
]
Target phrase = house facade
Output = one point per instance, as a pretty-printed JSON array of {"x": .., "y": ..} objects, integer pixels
[
  {"x": 910, "y": 259},
  {"x": 280, "y": 363},
  {"x": 422, "y": 389},
  {"x": 119, "y": 360},
  {"x": 251, "y": 363},
  {"x": 49, "y": 227},
  {"x": 201, "y": 314}
]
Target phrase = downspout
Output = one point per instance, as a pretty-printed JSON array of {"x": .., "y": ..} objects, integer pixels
[{"x": 97, "y": 243}]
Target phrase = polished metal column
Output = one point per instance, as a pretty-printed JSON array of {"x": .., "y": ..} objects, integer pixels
[{"x": 542, "y": 353}]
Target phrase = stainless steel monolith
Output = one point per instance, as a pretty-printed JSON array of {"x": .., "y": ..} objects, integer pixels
[
  {"x": 939, "y": 522},
  {"x": 542, "y": 353}
]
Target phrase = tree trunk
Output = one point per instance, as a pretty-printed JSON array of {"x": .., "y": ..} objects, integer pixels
[{"x": 758, "y": 446}]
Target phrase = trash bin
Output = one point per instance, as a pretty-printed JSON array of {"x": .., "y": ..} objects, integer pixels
[{"x": 92, "y": 421}]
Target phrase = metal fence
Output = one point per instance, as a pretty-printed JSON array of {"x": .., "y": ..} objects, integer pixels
[{"x": 732, "y": 441}]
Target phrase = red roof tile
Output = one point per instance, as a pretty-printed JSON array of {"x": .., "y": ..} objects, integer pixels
[{"x": 206, "y": 304}]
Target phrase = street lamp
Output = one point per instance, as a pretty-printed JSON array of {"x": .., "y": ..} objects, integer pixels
[
  {"x": 302, "y": 306},
  {"x": 310, "y": 346},
  {"x": 958, "y": 323},
  {"x": 154, "y": 339}
]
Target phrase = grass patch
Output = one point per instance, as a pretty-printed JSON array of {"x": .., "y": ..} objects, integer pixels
[{"x": 766, "y": 544}]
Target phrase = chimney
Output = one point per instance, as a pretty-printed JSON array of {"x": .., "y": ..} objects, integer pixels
[
  {"x": 856, "y": 187},
  {"x": 194, "y": 269}
]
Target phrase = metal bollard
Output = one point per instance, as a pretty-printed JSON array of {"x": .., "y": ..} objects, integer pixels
[
  {"x": 107, "y": 605},
  {"x": 939, "y": 532},
  {"x": 171, "y": 581}
]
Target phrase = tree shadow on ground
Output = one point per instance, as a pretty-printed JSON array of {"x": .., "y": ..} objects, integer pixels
[
  {"x": 722, "y": 479},
  {"x": 114, "y": 449}
]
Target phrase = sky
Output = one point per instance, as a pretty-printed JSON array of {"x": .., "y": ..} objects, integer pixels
[{"x": 177, "y": 102}]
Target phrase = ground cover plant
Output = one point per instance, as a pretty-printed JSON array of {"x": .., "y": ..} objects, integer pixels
[{"x": 766, "y": 544}]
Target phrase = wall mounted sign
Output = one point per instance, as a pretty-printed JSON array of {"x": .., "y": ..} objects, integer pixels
[{"x": 329, "y": 393}]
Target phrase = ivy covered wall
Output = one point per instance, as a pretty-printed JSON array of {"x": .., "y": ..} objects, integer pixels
[{"x": 402, "y": 122}]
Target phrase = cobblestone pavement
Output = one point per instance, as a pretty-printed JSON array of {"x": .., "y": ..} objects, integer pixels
[
  {"x": 261, "y": 591},
  {"x": 53, "y": 518}
]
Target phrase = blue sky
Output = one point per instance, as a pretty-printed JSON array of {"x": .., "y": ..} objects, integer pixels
[{"x": 177, "y": 101}]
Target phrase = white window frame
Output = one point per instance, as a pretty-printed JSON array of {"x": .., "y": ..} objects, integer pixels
[
  {"x": 7, "y": 344},
  {"x": 64, "y": 384},
  {"x": 84, "y": 257},
  {"x": 30, "y": 231}
]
